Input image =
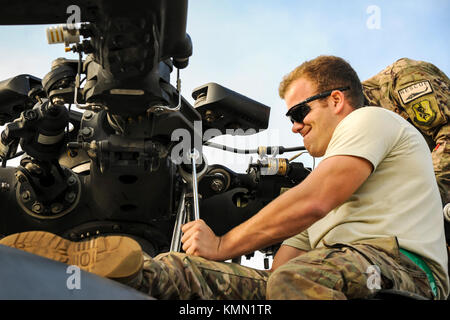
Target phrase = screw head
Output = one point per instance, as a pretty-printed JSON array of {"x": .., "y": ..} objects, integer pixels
[
  {"x": 87, "y": 132},
  {"x": 4, "y": 187},
  {"x": 21, "y": 177},
  {"x": 88, "y": 115},
  {"x": 37, "y": 207},
  {"x": 56, "y": 207},
  {"x": 58, "y": 101},
  {"x": 26, "y": 195},
  {"x": 71, "y": 180},
  {"x": 70, "y": 197},
  {"x": 217, "y": 185},
  {"x": 209, "y": 116},
  {"x": 30, "y": 115}
]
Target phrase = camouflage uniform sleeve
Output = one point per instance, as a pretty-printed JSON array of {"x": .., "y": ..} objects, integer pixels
[
  {"x": 441, "y": 163},
  {"x": 423, "y": 91},
  {"x": 419, "y": 92}
]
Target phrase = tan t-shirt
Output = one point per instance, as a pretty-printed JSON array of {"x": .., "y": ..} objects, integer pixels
[{"x": 400, "y": 198}]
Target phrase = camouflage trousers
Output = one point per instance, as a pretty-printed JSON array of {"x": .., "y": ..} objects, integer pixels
[
  {"x": 339, "y": 271},
  {"x": 176, "y": 275}
]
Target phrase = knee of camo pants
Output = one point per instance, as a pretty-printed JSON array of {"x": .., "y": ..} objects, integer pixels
[
  {"x": 352, "y": 271},
  {"x": 321, "y": 274}
]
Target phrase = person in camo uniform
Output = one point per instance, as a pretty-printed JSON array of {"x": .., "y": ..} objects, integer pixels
[
  {"x": 420, "y": 93},
  {"x": 352, "y": 227}
]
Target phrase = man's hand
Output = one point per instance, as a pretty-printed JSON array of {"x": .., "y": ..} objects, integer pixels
[{"x": 200, "y": 240}]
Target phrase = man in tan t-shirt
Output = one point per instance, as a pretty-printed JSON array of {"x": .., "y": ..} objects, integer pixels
[{"x": 370, "y": 209}]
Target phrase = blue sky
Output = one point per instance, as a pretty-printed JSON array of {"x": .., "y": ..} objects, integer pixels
[{"x": 248, "y": 46}]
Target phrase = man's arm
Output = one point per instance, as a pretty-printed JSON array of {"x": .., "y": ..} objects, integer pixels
[{"x": 328, "y": 186}]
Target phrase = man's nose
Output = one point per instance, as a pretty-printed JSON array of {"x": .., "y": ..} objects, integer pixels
[{"x": 297, "y": 126}]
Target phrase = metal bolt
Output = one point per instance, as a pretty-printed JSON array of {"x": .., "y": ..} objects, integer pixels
[
  {"x": 88, "y": 115},
  {"x": 4, "y": 187},
  {"x": 87, "y": 132},
  {"x": 58, "y": 101},
  {"x": 56, "y": 207},
  {"x": 447, "y": 212},
  {"x": 37, "y": 207},
  {"x": 30, "y": 115},
  {"x": 21, "y": 177},
  {"x": 217, "y": 185},
  {"x": 26, "y": 195},
  {"x": 70, "y": 197},
  {"x": 209, "y": 116},
  {"x": 71, "y": 180}
]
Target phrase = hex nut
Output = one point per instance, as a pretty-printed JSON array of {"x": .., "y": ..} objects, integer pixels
[
  {"x": 26, "y": 195},
  {"x": 56, "y": 207},
  {"x": 70, "y": 197},
  {"x": 217, "y": 185},
  {"x": 37, "y": 207},
  {"x": 71, "y": 180}
]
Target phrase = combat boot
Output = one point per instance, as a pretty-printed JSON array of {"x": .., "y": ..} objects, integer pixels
[{"x": 116, "y": 257}]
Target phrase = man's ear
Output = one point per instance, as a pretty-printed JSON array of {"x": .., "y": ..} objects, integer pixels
[{"x": 338, "y": 99}]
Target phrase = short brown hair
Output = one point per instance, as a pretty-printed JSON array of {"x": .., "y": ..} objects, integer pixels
[{"x": 327, "y": 72}]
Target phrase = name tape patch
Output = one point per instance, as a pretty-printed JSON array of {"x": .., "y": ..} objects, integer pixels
[{"x": 415, "y": 91}]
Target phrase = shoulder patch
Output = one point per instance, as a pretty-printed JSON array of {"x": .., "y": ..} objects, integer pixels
[
  {"x": 415, "y": 91},
  {"x": 424, "y": 113}
]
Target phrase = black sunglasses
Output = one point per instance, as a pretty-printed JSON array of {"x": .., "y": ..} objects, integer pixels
[{"x": 298, "y": 112}]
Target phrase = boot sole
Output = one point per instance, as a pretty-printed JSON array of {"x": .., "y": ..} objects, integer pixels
[{"x": 115, "y": 257}]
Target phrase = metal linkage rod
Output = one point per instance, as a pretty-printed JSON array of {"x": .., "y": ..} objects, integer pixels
[
  {"x": 175, "y": 245},
  {"x": 194, "y": 155}
]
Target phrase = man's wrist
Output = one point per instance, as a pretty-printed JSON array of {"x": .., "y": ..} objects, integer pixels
[{"x": 223, "y": 248}]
